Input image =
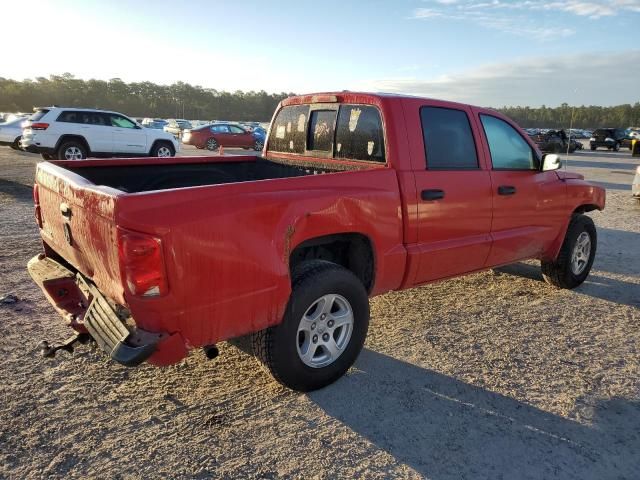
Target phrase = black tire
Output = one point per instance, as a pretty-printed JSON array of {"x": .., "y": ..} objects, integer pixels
[
  {"x": 72, "y": 150},
  {"x": 616, "y": 147},
  {"x": 160, "y": 149},
  {"x": 258, "y": 145},
  {"x": 560, "y": 272},
  {"x": 16, "y": 143},
  {"x": 593, "y": 147},
  {"x": 212, "y": 145},
  {"x": 277, "y": 347}
]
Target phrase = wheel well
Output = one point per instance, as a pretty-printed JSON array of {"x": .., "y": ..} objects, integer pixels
[
  {"x": 351, "y": 250},
  {"x": 586, "y": 208},
  {"x": 77, "y": 138},
  {"x": 167, "y": 142}
]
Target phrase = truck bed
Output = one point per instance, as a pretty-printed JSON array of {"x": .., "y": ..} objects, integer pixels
[{"x": 136, "y": 178}]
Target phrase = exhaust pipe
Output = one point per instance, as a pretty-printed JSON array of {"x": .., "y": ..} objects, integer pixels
[{"x": 211, "y": 351}]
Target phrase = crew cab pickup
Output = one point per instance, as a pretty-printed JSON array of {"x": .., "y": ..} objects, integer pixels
[{"x": 354, "y": 195}]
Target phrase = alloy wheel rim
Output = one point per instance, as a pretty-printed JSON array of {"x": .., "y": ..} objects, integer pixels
[
  {"x": 211, "y": 144},
  {"x": 73, "y": 153},
  {"x": 324, "y": 331},
  {"x": 580, "y": 254},
  {"x": 164, "y": 152}
]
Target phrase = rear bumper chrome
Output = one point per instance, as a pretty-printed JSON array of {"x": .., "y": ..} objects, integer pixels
[{"x": 86, "y": 310}]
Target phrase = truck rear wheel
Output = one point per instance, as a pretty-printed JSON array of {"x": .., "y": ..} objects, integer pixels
[
  {"x": 578, "y": 250},
  {"x": 323, "y": 329}
]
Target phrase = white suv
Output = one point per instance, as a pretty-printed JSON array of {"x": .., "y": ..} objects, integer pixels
[{"x": 76, "y": 133}]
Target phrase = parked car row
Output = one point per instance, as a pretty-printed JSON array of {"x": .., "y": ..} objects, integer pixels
[
  {"x": 77, "y": 133},
  {"x": 556, "y": 141}
]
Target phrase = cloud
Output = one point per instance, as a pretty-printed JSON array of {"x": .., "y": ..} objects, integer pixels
[
  {"x": 514, "y": 17},
  {"x": 576, "y": 79}
]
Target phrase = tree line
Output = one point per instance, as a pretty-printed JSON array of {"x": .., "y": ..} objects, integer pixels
[
  {"x": 592, "y": 116},
  {"x": 182, "y": 100},
  {"x": 138, "y": 99}
]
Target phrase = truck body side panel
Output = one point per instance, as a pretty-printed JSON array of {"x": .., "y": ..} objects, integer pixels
[{"x": 227, "y": 248}]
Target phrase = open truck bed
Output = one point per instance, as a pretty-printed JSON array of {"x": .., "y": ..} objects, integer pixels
[{"x": 221, "y": 281}]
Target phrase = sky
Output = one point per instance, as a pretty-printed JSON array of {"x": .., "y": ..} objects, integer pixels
[{"x": 485, "y": 52}]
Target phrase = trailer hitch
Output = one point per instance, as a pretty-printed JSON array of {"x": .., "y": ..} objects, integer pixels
[{"x": 49, "y": 351}]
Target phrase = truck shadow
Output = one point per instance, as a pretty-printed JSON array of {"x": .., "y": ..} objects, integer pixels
[
  {"x": 612, "y": 258},
  {"x": 446, "y": 429},
  {"x": 15, "y": 190}
]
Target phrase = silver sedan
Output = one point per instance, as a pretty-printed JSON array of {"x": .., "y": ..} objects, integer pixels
[{"x": 11, "y": 132}]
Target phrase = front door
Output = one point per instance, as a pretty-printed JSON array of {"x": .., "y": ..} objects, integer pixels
[
  {"x": 128, "y": 138},
  {"x": 454, "y": 196},
  {"x": 240, "y": 137},
  {"x": 527, "y": 203}
]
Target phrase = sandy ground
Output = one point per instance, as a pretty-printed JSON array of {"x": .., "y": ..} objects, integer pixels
[{"x": 495, "y": 375}]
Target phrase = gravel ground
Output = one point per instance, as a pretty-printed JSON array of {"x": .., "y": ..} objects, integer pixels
[{"x": 495, "y": 375}]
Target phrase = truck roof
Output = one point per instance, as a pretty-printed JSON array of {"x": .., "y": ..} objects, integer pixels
[{"x": 346, "y": 96}]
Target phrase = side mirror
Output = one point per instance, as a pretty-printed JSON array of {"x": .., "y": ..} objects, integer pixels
[{"x": 550, "y": 161}]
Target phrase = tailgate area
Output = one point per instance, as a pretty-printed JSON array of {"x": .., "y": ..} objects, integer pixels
[
  {"x": 86, "y": 310},
  {"x": 78, "y": 224}
]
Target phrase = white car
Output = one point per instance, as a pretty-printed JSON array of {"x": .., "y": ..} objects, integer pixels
[
  {"x": 76, "y": 133},
  {"x": 11, "y": 133}
]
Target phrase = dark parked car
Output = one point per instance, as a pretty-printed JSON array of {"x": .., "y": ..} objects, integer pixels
[
  {"x": 609, "y": 138},
  {"x": 555, "y": 141},
  {"x": 213, "y": 136}
]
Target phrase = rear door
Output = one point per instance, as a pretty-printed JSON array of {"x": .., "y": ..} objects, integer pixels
[
  {"x": 454, "y": 194},
  {"x": 528, "y": 204},
  {"x": 240, "y": 137},
  {"x": 75, "y": 122},
  {"x": 97, "y": 131},
  {"x": 128, "y": 138}
]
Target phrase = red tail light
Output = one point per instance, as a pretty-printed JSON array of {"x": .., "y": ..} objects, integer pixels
[
  {"x": 142, "y": 264},
  {"x": 36, "y": 202},
  {"x": 39, "y": 126}
]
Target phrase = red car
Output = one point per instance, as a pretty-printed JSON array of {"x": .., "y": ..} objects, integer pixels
[
  {"x": 215, "y": 135},
  {"x": 355, "y": 195}
]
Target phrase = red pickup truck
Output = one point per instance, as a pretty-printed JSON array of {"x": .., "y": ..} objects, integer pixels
[{"x": 353, "y": 195}]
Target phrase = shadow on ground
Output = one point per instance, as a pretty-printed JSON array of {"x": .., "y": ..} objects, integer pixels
[
  {"x": 15, "y": 190},
  {"x": 446, "y": 429},
  {"x": 612, "y": 257}
]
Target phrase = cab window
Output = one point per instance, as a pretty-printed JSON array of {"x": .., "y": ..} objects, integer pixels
[
  {"x": 359, "y": 133},
  {"x": 448, "y": 139},
  {"x": 509, "y": 151},
  {"x": 288, "y": 129}
]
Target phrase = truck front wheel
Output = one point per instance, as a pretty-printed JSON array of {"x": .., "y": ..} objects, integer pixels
[
  {"x": 323, "y": 329},
  {"x": 578, "y": 250}
]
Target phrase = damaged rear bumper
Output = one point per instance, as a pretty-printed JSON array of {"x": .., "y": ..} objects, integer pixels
[{"x": 86, "y": 310}]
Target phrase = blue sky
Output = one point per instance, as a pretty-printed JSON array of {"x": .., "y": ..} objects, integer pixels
[{"x": 487, "y": 52}]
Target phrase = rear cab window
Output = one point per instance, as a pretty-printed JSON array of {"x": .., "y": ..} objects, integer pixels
[
  {"x": 448, "y": 140},
  {"x": 338, "y": 131}
]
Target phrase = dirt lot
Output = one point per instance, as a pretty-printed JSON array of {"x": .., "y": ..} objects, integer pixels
[{"x": 496, "y": 375}]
